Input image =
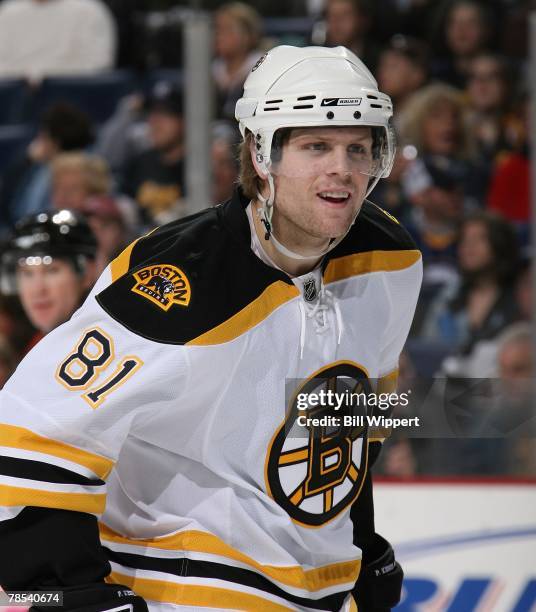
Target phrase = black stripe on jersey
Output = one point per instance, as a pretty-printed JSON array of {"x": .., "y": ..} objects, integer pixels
[
  {"x": 36, "y": 470},
  {"x": 207, "y": 569}
]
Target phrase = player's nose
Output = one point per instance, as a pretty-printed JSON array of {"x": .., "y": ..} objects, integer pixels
[{"x": 339, "y": 162}]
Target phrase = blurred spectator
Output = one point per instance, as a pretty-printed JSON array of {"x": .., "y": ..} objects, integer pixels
[
  {"x": 514, "y": 357},
  {"x": 49, "y": 263},
  {"x": 41, "y": 38},
  {"x": 470, "y": 314},
  {"x": 236, "y": 41},
  {"x": 402, "y": 69},
  {"x": 75, "y": 177},
  {"x": 509, "y": 186},
  {"x": 124, "y": 134},
  {"x": 25, "y": 187},
  {"x": 488, "y": 93},
  {"x": 467, "y": 30},
  {"x": 438, "y": 183},
  {"x": 399, "y": 460},
  {"x": 155, "y": 178},
  {"x": 515, "y": 414},
  {"x": 224, "y": 161},
  {"x": 347, "y": 24},
  {"x": 108, "y": 224}
]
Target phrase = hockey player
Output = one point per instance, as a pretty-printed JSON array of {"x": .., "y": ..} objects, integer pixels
[
  {"x": 49, "y": 263},
  {"x": 167, "y": 406}
]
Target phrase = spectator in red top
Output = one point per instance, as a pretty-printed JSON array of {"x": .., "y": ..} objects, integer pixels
[{"x": 509, "y": 187}]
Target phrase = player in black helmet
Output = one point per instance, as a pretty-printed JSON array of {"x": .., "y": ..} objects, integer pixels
[{"x": 49, "y": 262}]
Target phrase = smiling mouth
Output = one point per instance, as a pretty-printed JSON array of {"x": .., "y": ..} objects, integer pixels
[{"x": 334, "y": 197}]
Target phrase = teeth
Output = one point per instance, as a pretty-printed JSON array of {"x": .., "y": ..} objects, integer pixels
[{"x": 334, "y": 194}]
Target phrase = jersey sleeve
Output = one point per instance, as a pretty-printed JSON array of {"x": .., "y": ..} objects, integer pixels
[{"x": 64, "y": 416}]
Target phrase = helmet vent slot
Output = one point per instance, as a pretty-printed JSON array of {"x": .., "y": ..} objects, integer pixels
[
  {"x": 272, "y": 108},
  {"x": 300, "y": 106},
  {"x": 370, "y": 97},
  {"x": 273, "y": 101},
  {"x": 376, "y": 106},
  {"x": 306, "y": 98}
]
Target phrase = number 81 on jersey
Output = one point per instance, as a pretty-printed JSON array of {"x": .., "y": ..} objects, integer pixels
[{"x": 91, "y": 357}]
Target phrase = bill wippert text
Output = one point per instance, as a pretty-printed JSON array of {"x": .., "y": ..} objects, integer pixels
[{"x": 356, "y": 421}]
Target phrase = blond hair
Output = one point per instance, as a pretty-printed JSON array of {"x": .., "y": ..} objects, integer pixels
[
  {"x": 247, "y": 18},
  {"x": 94, "y": 169},
  {"x": 421, "y": 104}
]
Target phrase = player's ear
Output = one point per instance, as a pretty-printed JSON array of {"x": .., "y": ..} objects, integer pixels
[{"x": 257, "y": 161}]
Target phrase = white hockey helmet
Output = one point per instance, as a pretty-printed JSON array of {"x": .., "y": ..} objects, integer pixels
[
  {"x": 309, "y": 87},
  {"x": 313, "y": 87}
]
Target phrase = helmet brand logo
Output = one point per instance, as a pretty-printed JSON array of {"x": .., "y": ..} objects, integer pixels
[
  {"x": 341, "y": 102},
  {"x": 259, "y": 62},
  {"x": 164, "y": 285}
]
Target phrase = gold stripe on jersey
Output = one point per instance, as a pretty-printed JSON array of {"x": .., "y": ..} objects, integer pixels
[
  {"x": 195, "y": 595},
  {"x": 368, "y": 262},
  {"x": 121, "y": 263},
  {"x": 81, "y": 502},
  {"x": 200, "y": 541},
  {"x": 272, "y": 297},
  {"x": 387, "y": 383},
  {"x": 353, "y": 605},
  {"x": 19, "y": 437}
]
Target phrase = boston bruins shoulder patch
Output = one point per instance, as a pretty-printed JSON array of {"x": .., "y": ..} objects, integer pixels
[{"x": 163, "y": 284}]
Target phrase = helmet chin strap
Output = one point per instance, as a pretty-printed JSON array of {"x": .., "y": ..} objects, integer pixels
[{"x": 266, "y": 212}]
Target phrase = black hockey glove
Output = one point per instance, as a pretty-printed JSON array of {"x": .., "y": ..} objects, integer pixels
[
  {"x": 98, "y": 598},
  {"x": 379, "y": 585}
]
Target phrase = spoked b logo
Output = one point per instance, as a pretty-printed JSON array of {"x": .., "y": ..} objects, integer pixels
[{"x": 316, "y": 464}]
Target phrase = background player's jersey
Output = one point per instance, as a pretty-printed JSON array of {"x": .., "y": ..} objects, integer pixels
[{"x": 167, "y": 408}]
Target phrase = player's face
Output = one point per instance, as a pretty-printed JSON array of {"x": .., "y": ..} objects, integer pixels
[
  {"x": 320, "y": 183},
  {"x": 49, "y": 293}
]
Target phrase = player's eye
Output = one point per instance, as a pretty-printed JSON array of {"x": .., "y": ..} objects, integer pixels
[
  {"x": 360, "y": 151},
  {"x": 315, "y": 146}
]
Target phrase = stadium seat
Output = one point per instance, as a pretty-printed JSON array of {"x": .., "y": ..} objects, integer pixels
[
  {"x": 13, "y": 95},
  {"x": 12, "y": 139},
  {"x": 97, "y": 95}
]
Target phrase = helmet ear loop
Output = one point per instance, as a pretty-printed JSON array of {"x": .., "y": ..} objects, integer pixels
[{"x": 267, "y": 210}]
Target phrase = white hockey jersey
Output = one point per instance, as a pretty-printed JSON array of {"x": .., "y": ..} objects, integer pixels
[{"x": 170, "y": 397}]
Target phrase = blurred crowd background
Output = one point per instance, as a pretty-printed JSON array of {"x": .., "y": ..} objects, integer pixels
[{"x": 91, "y": 121}]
